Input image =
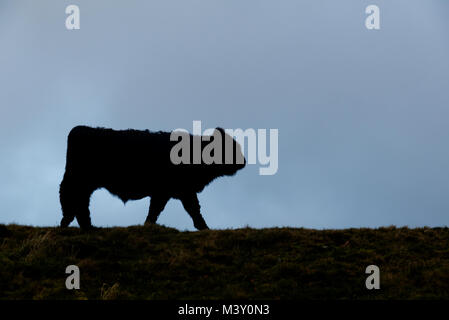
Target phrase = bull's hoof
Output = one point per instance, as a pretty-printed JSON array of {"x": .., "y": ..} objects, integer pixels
[
  {"x": 65, "y": 222},
  {"x": 149, "y": 223},
  {"x": 201, "y": 226}
]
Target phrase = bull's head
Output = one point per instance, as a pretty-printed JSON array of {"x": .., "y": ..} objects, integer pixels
[{"x": 232, "y": 158}]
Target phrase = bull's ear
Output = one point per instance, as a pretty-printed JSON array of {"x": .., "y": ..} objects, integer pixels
[{"x": 221, "y": 130}]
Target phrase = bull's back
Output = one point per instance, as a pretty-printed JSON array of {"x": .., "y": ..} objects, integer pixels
[{"x": 99, "y": 151}]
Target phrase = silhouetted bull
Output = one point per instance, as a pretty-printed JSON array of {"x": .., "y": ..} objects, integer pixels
[{"x": 134, "y": 164}]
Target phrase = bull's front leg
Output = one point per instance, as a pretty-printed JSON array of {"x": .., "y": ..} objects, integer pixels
[
  {"x": 157, "y": 204},
  {"x": 192, "y": 206}
]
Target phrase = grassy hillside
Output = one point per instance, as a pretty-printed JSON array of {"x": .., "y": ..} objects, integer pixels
[{"x": 162, "y": 263}]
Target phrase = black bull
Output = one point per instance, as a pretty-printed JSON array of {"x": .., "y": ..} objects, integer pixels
[{"x": 132, "y": 165}]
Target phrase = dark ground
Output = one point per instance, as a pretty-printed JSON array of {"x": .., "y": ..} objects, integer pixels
[{"x": 282, "y": 263}]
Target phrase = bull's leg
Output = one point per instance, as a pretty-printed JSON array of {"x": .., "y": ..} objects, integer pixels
[
  {"x": 67, "y": 202},
  {"x": 157, "y": 204},
  {"x": 83, "y": 218},
  {"x": 75, "y": 203},
  {"x": 192, "y": 206}
]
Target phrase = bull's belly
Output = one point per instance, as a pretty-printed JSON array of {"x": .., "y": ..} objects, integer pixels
[
  {"x": 135, "y": 189},
  {"x": 126, "y": 195}
]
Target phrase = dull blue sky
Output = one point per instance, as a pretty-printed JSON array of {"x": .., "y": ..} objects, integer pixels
[{"x": 363, "y": 116}]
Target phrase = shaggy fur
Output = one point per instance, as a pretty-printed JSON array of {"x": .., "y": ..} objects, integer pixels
[{"x": 134, "y": 164}]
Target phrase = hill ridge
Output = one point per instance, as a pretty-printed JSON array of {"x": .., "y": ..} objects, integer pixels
[{"x": 156, "y": 262}]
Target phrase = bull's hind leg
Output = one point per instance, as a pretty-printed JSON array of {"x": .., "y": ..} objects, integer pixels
[
  {"x": 157, "y": 204},
  {"x": 192, "y": 206},
  {"x": 67, "y": 201},
  {"x": 75, "y": 203}
]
